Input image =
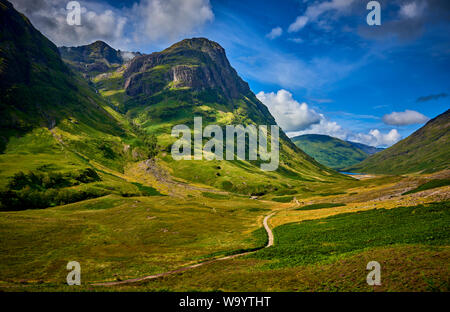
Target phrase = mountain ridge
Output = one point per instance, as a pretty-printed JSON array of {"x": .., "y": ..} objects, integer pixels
[
  {"x": 424, "y": 151},
  {"x": 331, "y": 151}
]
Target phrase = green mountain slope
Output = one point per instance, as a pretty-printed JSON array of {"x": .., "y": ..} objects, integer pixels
[
  {"x": 426, "y": 150},
  {"x": 54, "y": 128},
  {"x": 65, "y": 138},
  {"x": 194, "y": 78},
  {"x": 329, "y": 151}
]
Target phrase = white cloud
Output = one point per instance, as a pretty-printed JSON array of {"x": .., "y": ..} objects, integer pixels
[
  {"x": 408, "y": 117},
  {"x": 412, "y": 9},
  {"x": 298, "y": 118},
  {"x": 98, "y": 22},
  {"x": 325, "y": 127},
  {"x": 170, "y": 19},
  {"x": 289, "y": 114},
  {"x": 275, "y": 33},
  {"x": 376, "y": 138},
  {"x": 147, "y": 19},
  {"x": 333, "y": 129},
  {"x": 315, "y": 10},
  {"x": 299, "y": 23}
]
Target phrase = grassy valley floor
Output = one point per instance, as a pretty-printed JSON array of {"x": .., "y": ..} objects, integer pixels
[{"x": 323, "y": 242}]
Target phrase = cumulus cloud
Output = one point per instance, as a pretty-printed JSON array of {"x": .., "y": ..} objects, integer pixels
[
  {"x": 331, "y": 128},
  {"x": 326, "y": 127},
  {"x": 298, "y": 118},
  {"x": 170, "y": 19},
  {"x": 408, "y": 117},
  {"x": 289, "y": 114},
  {"x": 376, "y": 138},
  {"x": 275, "y": 33},
  {"x": 147, "y": 19},
  {"x": 98, "y": 21}
]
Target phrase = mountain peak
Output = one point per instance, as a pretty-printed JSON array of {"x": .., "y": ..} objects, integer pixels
[
  {"x": 196, "y": 63},
  {"x": 202, "y": 44}
]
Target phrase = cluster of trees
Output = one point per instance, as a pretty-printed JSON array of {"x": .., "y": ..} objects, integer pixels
[
  {"x": 36, "y": 190},
  {"x": 148, "y": 139}
]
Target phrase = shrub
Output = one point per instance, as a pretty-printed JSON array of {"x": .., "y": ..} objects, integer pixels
[{"x": 36, "y": 190}]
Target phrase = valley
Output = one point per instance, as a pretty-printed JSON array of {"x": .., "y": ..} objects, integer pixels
[{"x": 88, "y": 174}]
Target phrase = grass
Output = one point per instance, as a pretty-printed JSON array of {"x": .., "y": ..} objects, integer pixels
[
  {"x": 283, "y": 199},
  {"x": 331, "y": 254},
  {"x": 146, "y": 190},
  {"x": 320, "y": 206},
  {"x": 331, "y": 193},
  {"x": 215, "y": 195},
  {"x": 329, "y": 239},
  {"x": 116, "y": 237},
  {"x": 429, "y": 185}
]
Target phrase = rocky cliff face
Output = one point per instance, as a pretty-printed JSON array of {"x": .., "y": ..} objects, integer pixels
[
  {"x": 196, "y": 63},
  {"x": 97, "y": 57}
]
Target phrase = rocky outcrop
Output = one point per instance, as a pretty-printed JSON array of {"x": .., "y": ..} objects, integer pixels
[
  {"x": 196, "y": 63},
  {"x": 95, "y": 57}
]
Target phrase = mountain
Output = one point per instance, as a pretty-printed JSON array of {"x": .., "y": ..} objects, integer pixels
[
  {"x": 56, "y": 132},
  {"x": 95, "y": 58},
  {"x": 331, "y": 152},
  {"x": 37, "y": 88},
  {"x": 370, "y": 150},
  {"x": 194, "y": 78},
  {"x": 73, "y": 129},
  {"x": 425, "y": 151}
]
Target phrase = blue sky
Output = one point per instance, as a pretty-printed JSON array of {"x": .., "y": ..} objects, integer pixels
[{"x": 329, "y": 73}]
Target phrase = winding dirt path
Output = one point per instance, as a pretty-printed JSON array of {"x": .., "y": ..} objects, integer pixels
[{"x": 149, "y": 277}]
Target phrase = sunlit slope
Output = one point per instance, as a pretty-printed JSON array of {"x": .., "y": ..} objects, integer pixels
[{"x": 426, "y": 150}]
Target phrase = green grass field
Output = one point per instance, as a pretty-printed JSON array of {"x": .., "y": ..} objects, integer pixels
[
  {"x": 116, "y": 237},
  {"x": 331, "y": 254},
  {"x": 328, "y": 239}
]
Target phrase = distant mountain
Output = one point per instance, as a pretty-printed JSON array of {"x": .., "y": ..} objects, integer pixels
[
  {"x": 332, "y": 152},
  {"x": 95, "y": 58},
  {"x": 370, "y": 150},
  {"x": 426, "y": 150}
]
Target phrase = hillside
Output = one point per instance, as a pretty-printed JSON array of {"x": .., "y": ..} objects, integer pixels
[
  {"x": 55, "y": 131},
  {"x": 370, "y": 150},
  {"x": 194, "y": 78},
  {"x": 65, "y": 138},
  {"x": 425, "y": 151},
  {"x": 331, "y": 152}
]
